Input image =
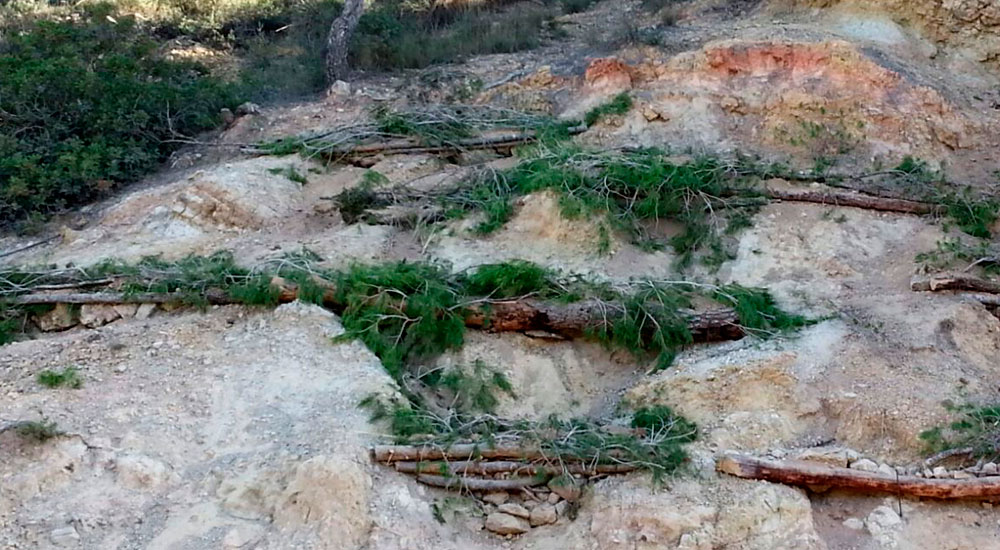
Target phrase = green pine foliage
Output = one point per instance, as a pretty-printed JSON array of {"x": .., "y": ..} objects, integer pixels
[{"x": 975, "y": 427}]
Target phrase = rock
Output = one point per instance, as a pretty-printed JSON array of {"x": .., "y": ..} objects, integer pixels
[
  {"x": 854, "y": 524},
  {"x": 243, "y": 537},
  {"x": 141, "y": 472},
  {"x": 65, "y": 536},
  {"x": 553, "y": 498},
  {"x": 145, "y": 311},
  {"x": 566, "y": 487},
  {"x": 497, "y": 498},
  {"x": 248, "y": 108},
  {"x": 514, "y": 509},
  {"x": 543, "y": 514},
  {"x": 886, "y": 469},
  {"x": 228, "y": 118},
  {"x": 339, "y": 88},
  {"x": 990, "y": 469},
  {"x": 126, "y": 311},
  {"x": 864, "y": 465},
  {"x": 561, "y": 508},
  {"x": 961, "y": 475},
  {"x": 884, "y": 523},
  {"x": 61, "y": 317},
  {"x": 506, "y": 524},
  {"x": 96, "y": 315},
  {"x": 940, "y": 472},
  {"x": 837, "y": 457}
]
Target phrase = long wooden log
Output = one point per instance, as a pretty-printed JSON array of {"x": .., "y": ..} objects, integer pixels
[
  {"x": 810, "y": 474},
  {"x": 476, "y": 484},
  {"x": 856, "y": 200},
  {"x": 568, "y": 320},
  {"x": 955, "y": 282},
  {"x": 576, "y": 319},
  {"x": 477, "y": 467}
]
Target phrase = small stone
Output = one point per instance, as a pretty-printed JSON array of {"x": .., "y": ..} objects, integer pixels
[
  {"x": 854, "y": 524},
  {"x": 514, "y": 509},
  {"x": 120, "y": 369},
  {"x": 543, "y": 514},
  {"x": 561, "y": 508},
  {"x": 228, "y": 118},
  {"x": 864, "y": 465},
  {"x": 506, "y": 524},
  {"x": 339, "y": 88},
  {"x": 940, "y": 472},
  {"x": 566, "y": 487},
  {"x": 990, "y": 469},
  {"x": 64, "y": 536},
  {"x": 242, "y": 538},
  {"x": 530, "y": 504},
  {"x": 145, "y": 311},
  {"x": 60, "y": 317},
  {"x": 961, "y": 475},
  {"x": 886, "y": 469},
  {"x": 927, "y": 473},
  {"x": 497, "y": 498},
  {"x": 988, "y": 505},
  {"x": 126, "y": 311},
  {"x": 553, "y": 498},
  {"x": 96, "y": 315},
  {"x": 248, "y": 108}
]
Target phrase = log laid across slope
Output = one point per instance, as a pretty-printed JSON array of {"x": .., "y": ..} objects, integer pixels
[
  {"x": 955, "y": 282},
  {"x": 853, "y": 199},
  {"x": 569, "y": 320},
  {"x": 810, "y": 474}
]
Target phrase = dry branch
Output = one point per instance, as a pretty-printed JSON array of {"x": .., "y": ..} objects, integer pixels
[
  {"x": 499, "y": 140},
  {"x": 465, "y": 451},
  {"x": 810, "y": 474},
  {"x": 475, "y": 484},
  {"x": 955, "y": 282},
  {"x": 476, "y": 467}
]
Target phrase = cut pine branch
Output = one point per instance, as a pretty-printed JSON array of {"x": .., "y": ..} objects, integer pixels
[{"x": 813, "y": 475}]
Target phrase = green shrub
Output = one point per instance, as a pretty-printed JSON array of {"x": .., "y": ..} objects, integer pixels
[
  {"x": 89, "y": 105},
  {"x": 975, "y": 428},
  {"x": 68, "y": 377}
]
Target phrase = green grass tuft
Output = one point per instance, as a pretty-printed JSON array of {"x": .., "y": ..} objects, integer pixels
[
  {"x": 68, "y": 377},
  {"x": 618, "y": 106},
  {"x": 38, "y": 430},
  {"x": 511, "y": 280}
]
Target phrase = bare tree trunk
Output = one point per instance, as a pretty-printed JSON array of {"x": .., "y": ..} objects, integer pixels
[{"x": 339, "y": 39}]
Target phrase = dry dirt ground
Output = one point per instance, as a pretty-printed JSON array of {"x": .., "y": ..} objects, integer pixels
[{"x": 238, "y": 428}]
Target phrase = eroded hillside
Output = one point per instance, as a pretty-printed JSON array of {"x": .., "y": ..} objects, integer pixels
[{"x": 208, "y": 423}]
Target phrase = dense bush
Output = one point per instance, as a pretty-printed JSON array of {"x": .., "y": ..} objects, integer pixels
[{"x": 88, "y": 103}]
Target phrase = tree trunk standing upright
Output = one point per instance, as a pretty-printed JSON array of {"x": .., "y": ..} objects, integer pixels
[{"x": 339, "y": 39}]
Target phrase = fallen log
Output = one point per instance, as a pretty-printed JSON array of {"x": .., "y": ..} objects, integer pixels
[
  {"x": 476, "y": 484},
  {"x": 576, "y": 319},
  {"x": 811, "y": 474},
  {"x": 477, "y": 467},
  {"x": 853, "y": 199},
  {"x": 568, "y": 320},
  {"x": 955, "y": 282}
]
